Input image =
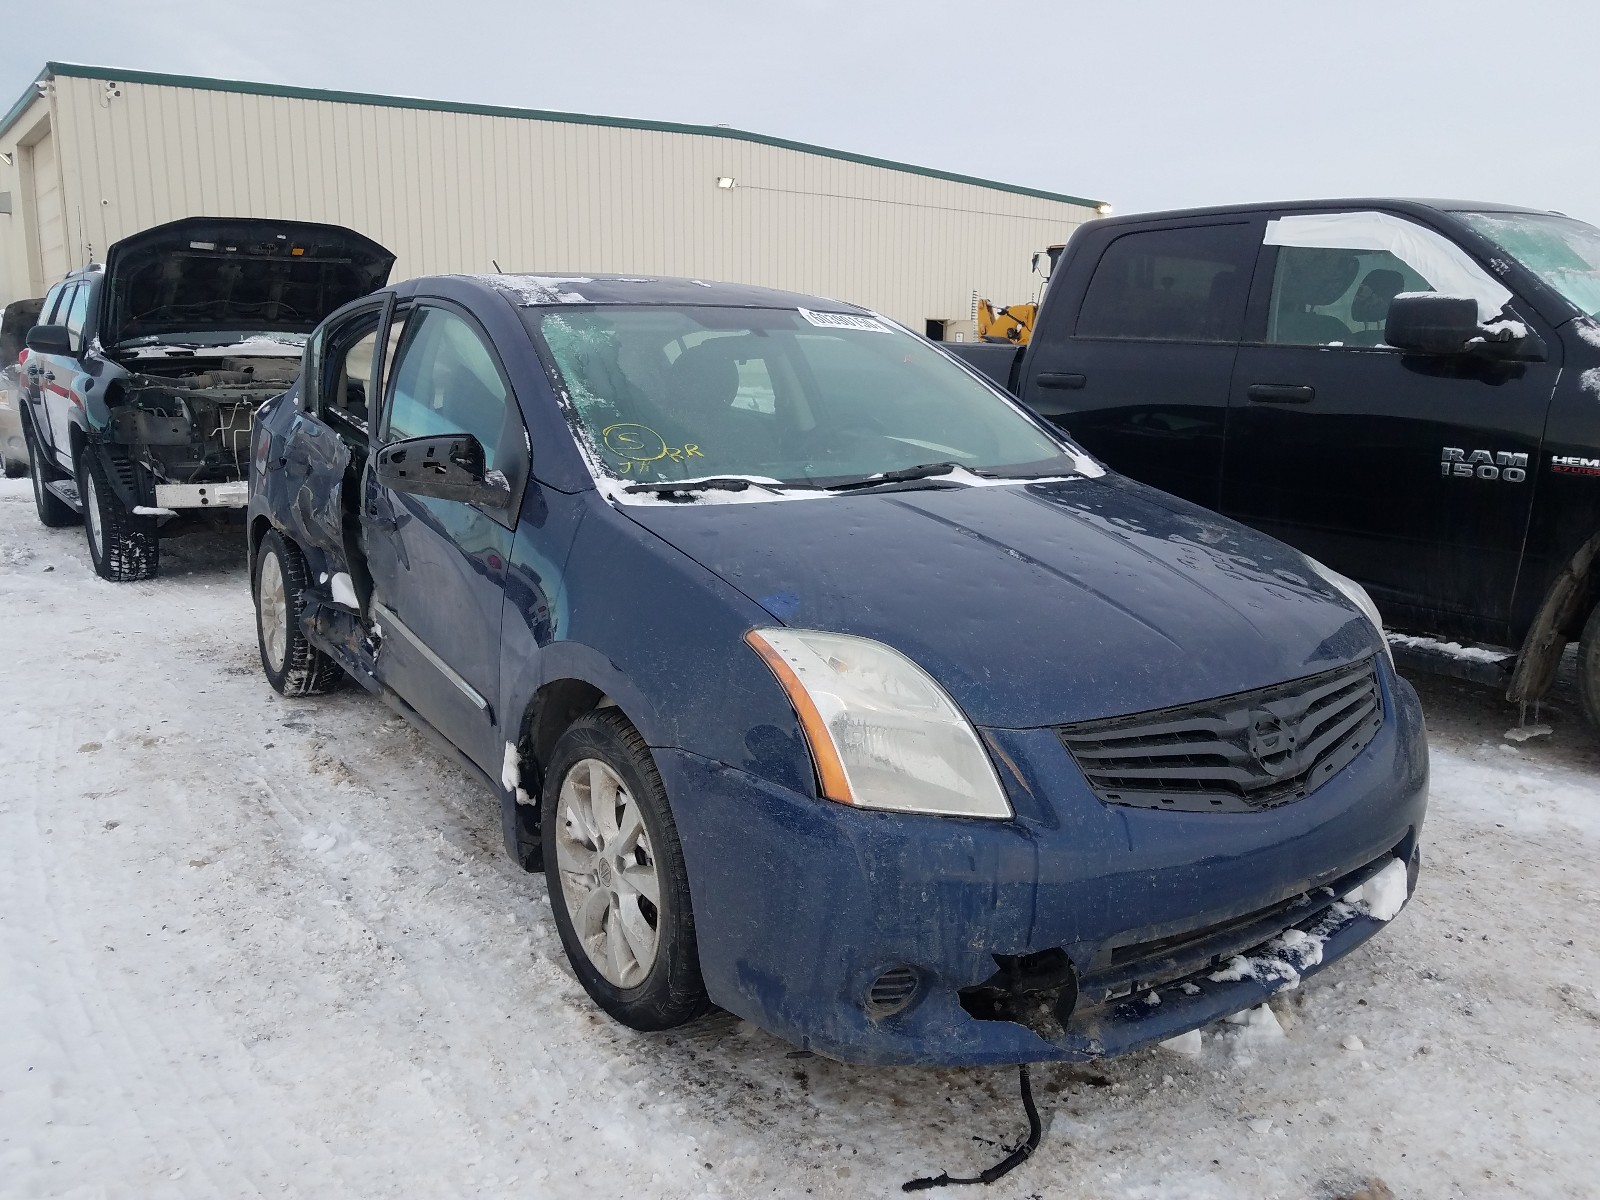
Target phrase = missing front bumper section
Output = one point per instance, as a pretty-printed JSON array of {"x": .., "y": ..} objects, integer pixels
[{"x": 231, "y": 494}]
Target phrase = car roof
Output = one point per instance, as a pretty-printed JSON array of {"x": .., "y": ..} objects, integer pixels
[
  {"x": 1400, "y": 203},
  {"x": 534, "y": 290}
]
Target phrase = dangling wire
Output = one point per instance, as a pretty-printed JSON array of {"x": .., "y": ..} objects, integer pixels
[{"x": 1007, "y": 1164}]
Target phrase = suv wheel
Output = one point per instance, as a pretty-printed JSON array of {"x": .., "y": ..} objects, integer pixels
[
  {"x": 1589, "y": 668},
  {"x": 618, "y": 888},
  {"x": 293, "y": 666},
  {"x": 54, "y": 512},
  {"x": 123, "y": 547}
]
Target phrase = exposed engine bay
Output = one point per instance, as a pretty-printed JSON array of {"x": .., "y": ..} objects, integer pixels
[{"x": 187, "y": 418}]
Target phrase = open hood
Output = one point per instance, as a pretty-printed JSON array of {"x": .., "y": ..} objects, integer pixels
[{"x": 211, "y": 275}]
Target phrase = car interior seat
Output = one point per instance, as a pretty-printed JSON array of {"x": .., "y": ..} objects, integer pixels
[
  {"x": 702, "y": 385},
  {"x": 1309, "y": 278},
  {"x": 1370, "y": 305}
]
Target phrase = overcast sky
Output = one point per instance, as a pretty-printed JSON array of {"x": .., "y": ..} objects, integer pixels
[{"x": 1145, "y": 105}]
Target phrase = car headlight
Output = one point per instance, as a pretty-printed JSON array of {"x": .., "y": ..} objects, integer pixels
[
  {"x": 1357, "y": 595},
  {"x": 883, "y": 733}
]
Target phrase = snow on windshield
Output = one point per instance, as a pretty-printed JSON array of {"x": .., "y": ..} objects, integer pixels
[{"x": 1561, "y": 251}]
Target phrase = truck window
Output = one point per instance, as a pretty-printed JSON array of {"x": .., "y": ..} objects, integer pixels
[
  {"x": 1337, "y": 274},
  {"x": 75, "y": 314},
  {"x": 1184, "y": 285},
  {"x": 50, "y": 313}
]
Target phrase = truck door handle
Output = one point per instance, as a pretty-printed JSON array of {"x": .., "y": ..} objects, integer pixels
[
  {"x": 1281, "y": 393},
  {"x": 1058, "y": 379}
]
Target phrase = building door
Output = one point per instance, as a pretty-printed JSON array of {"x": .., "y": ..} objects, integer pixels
[{"x": 49, "y": 212}]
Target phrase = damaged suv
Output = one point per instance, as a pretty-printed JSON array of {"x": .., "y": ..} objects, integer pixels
[
  {"x": 137, "y": 384},
  {"x": 827, "y": 683}
]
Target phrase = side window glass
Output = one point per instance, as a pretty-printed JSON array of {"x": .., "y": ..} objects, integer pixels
[
  {"x": 345, "y": 377},
  {"x": 1184, "y": 285},
  {"x": 1337, "y": 274},
  {"x": 52, "y": 303},
  {"x": 77, "y": 312},
  {"x": 446, "y": 381}
]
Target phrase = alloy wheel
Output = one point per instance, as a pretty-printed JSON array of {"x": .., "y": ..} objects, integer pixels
[
  {"x": 272, "y": 611},
  {"x": 608, "y": 873},
  {"x": 91, "y": 514}
]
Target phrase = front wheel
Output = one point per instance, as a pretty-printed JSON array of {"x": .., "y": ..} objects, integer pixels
[
  {"x": 618, "y": 887},
  {"x": 123, "y": 546},
  {"x": 293, "y": 666},
  {"x": 54, "y": 512}
]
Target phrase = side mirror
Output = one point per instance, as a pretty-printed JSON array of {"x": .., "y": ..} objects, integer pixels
[
  {"x": 1428, "y": 323},
  {"x": 446, "y": 467},
  {"x": 49, "y": 339}
]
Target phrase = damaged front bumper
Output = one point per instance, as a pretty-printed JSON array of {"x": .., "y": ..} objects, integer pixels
[{"x": 1077, "y": 931}]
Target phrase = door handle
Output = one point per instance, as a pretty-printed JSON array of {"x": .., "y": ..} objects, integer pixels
[
  {"x": 1060, "y": 379},
  {"x": 1281, "y": 393}
]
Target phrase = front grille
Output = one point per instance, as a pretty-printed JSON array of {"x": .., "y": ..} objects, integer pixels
[{"x": 1241, "y": 753}]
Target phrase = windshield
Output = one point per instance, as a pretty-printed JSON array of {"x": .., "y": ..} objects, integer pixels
[
  {"x": 781, "y": 395},
  {"x": 1562, "y": 252}
]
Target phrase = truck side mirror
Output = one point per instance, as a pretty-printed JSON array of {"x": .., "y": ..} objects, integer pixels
[
  {"x": 49, "y": 339},
  {"x": 445, "y": 467},
  {"x": 1428, "y": 323}
]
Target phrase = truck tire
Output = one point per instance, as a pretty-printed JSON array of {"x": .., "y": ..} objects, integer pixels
[
  {"x": 123, "y": 547},
  {"x": 293, "y": 666},
  {"x": 1589, "y": 668},
  {"x": 54, "y": 512}
]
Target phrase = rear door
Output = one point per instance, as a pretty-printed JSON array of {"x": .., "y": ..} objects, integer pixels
[
  {"x": 327, "y": 441},
  {"x": 31, "y": 379},
  {"x": 61, "y": 370},
  {"x": 1136, "y": 364},
  {"x": 439, "y": 566},
  {"x": 1411, "y": 473}
]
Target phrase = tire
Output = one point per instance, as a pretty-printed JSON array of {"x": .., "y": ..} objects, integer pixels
[
  {"x": 1589, "y": 668},
  {"x": 123, "y": 547},
  {"x": 601, "y": 754},
  {"x": 54, "y": 512},
  {"x": 293, "y": 666}
]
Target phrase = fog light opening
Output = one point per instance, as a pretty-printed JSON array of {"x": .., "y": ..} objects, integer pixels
[
  {"x": 892, "y": 992},
  {"x": 1037, "y": 991}
]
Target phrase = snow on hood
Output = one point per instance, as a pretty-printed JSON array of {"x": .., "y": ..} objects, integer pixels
[{"x": 1035, "y": 604}]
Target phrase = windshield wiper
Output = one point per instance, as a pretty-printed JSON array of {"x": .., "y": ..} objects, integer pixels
[
  {"x": 714, "y": 483},
  {"x": 926, "y": 470}
]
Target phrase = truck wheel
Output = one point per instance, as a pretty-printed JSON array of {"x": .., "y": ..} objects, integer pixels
[
  {"x": 122, "y": 546},
  {"x": 54, "y": 512},
  {"x": 619, "y": 890},
  {"x": 1589, "y": 668},
  {"x": 293, "y": 666}
]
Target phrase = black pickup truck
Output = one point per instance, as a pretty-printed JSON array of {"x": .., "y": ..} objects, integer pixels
[{"x": 1407, "y": 390}]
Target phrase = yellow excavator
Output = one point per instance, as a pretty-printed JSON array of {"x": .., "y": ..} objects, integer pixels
[{"x": 1015, "y": 323}]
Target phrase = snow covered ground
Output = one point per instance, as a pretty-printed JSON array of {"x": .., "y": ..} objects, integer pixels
[{"x": 255, "y": 946}]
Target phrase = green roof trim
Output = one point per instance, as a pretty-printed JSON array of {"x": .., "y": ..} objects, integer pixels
[
  {"x": 201, "y": 83},
  {"x": 27, "y": 98}
]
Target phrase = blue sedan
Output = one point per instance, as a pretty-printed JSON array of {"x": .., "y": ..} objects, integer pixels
[{"x": 824, "y": 682}]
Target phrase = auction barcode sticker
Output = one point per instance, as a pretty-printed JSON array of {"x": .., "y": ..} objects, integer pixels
[{"x": 825, "y": 320}]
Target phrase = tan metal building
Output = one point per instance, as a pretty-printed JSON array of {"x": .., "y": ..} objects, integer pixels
[{"x": 89, "y": 155}]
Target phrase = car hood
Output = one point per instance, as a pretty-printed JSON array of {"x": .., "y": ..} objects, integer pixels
[
  {"x": 207, "y": 275},
  {"x": 1036, "y": 604}
]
